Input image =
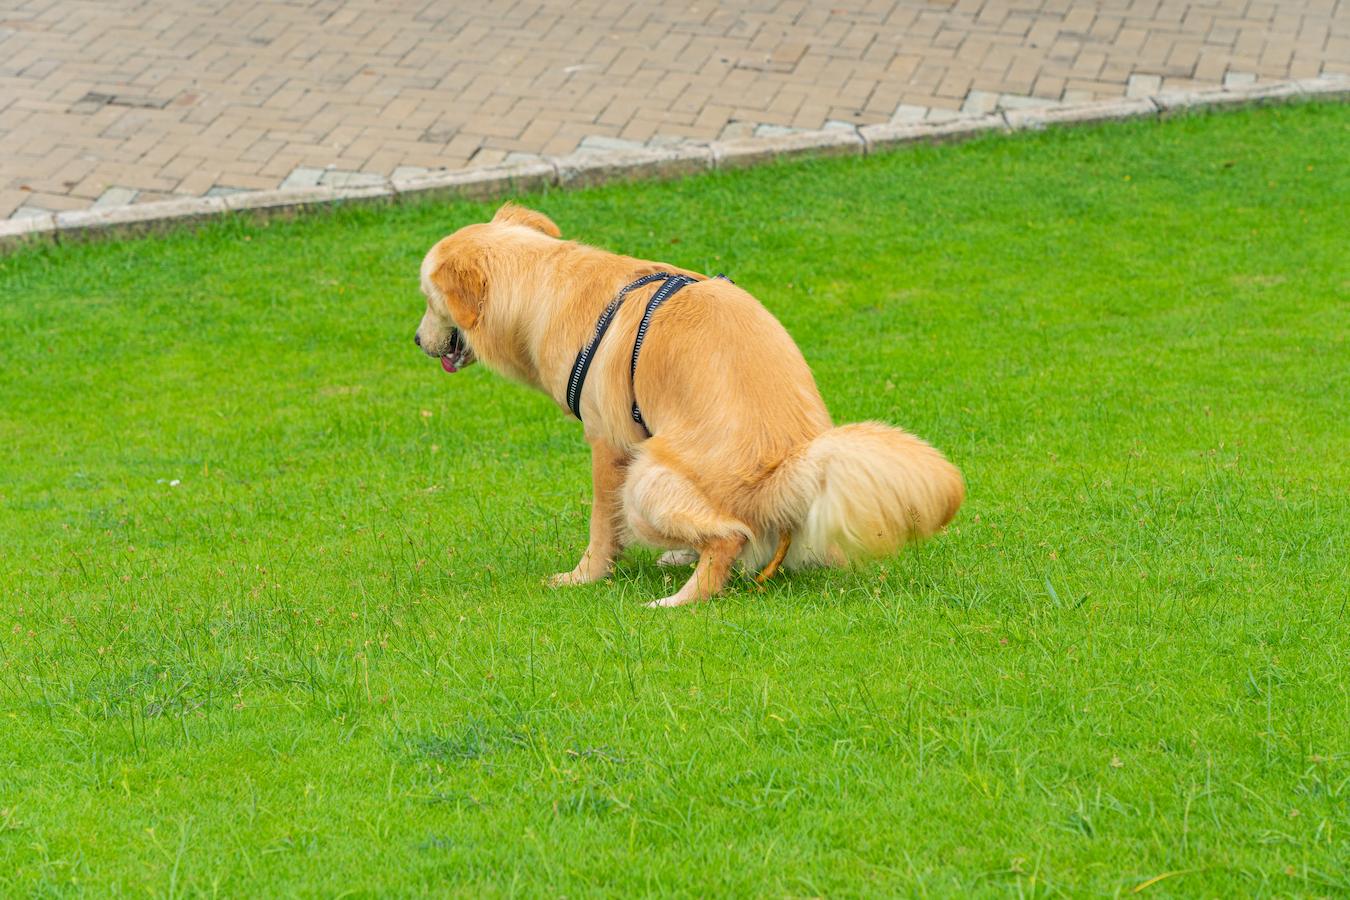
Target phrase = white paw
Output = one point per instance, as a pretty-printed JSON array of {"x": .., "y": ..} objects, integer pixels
[
  {"x": 678, "y": 558},
  {"x": 672, "y": 600},
  {"x": 574, "y": 577}
]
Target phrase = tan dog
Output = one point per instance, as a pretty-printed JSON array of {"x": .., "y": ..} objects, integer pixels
[{"x": 742, "y": 460}]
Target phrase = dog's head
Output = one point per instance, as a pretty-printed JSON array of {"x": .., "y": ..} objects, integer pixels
[{"x": 456, "y": 274}]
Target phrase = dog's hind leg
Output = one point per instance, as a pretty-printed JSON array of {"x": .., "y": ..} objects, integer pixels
[
  {"x": 714, "y": 563},
  {"x": 607, "y": 473},
  {"x": 665, "y": 508}
]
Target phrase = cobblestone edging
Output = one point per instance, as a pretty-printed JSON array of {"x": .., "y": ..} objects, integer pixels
[{"x": 591, "y": 168}]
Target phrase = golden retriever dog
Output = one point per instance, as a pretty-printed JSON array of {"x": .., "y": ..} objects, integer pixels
[{"x": 742, "y": 461}]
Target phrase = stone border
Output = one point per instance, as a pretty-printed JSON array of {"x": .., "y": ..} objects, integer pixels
[{"x": 593, "y": 168}]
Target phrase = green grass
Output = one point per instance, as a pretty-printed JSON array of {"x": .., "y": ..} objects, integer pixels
[{"x": 273, "y": 621}]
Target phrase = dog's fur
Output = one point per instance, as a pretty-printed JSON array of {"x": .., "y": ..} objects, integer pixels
[{"x": 742, "y": 447}]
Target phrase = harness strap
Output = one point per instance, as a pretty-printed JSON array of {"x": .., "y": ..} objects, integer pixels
[
  {"x": 577, "y": 380},
  {"x": 587, "y": 353},
  {"x": 663, "y": 293}
]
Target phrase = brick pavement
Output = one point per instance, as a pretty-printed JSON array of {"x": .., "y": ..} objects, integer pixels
[{"x": 110, "y": 102}]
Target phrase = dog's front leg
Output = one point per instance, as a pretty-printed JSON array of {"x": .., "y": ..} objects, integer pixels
[{"x": 607, "y": 473}]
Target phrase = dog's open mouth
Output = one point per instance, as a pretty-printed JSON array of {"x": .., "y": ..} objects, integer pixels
[{"x": 458, "y": 355}]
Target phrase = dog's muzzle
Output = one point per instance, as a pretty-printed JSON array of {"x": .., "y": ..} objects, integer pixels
[{"x": 457, "y": 354}]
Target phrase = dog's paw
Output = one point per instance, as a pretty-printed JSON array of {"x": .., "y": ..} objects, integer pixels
[
  {"x": 672, "y": 600},
  {"x": 574, "y": 577},
  {"x": 678, "y": 558}
]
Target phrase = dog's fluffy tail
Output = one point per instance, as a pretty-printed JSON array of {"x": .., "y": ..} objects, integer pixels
[{"x": 865, "y": 490}]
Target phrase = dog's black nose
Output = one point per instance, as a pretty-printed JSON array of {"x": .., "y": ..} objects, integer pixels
[{"x": 417, "y": 339}]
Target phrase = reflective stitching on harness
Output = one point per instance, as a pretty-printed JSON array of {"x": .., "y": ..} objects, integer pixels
[
  {"x": 663, "y": 293},
  {"x": 577, "y": 380}
]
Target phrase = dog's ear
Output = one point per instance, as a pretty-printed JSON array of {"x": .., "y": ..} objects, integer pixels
[
  {"x": 462, "y": 282},
  {"x": 515, "y": 214}
]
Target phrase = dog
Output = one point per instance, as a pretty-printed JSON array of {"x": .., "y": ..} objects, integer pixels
[{"x": 732, "y": 454}]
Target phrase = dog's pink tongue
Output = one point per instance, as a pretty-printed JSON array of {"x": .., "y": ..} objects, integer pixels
[{"x": 448, "y": 365}]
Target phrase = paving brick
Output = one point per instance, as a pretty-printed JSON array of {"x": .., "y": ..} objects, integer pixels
[
  {"x": 1143, "y": 85},
  {"x": 115, "y": 196},
  {"x": 172, "y": 97},
  {"x": 11, "y": 200},
  {"x": 55, "y": 202}
]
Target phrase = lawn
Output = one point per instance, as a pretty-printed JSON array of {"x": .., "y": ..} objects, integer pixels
[{"x": 273, "y": 619}]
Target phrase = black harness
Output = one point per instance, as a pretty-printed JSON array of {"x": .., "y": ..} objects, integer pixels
[{"x": 670, "y": 284}]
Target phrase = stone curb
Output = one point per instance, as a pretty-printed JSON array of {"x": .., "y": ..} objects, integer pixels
[
  {"x": 738, "y": 154},
  {"x": 281, "y": 201},
  {"x": 1182, "y": 101},
  {"x": 880, "y": 138},
  {"x": 478, "y": 184},
  {"x": 586, "y": 169},
  {"x": 1079, "y": 114},
  {"x": 136, "y": 219},
  {"x": 592, "y": 168}
]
